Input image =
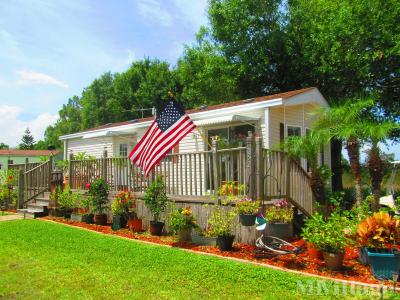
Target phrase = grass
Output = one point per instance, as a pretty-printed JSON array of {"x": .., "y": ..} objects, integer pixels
[
  {"x": 4, "y": 213},
  {"x": 40, "y": 260}
]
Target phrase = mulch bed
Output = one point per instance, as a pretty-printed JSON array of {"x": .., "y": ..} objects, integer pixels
[{"x": 352, "y": 271}]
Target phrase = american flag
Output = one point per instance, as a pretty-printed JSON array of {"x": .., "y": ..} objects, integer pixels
[{"x": 167, "y": 130}]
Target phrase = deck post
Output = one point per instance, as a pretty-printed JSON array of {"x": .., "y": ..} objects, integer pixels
[
  {"x": 104, "y": 165},
  {"x": 259, "y": 174},
  {"x": 71, "y": 158},
  {"x": 250, "y": 166},
  {"x": 21, "y": 188},
  {"x": 215, "y": 167},
  {"x": 50, "y": 171},
  {"x": 26, "y": 164}
]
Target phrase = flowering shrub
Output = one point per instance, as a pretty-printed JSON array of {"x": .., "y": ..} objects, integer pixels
[
  {"x": 280, "y": 212},
  {"x": 247, "y": 206},
  {"x": 379, "y": 231},
  {"x": 221, "y": 222},
  {"x": 182, "y": 218},
  {"x": 8, "y": 180},
  {"x": 123, "y": 203}
]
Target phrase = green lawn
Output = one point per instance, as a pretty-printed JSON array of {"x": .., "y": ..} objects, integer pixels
[{"x": 40, "y": 260}]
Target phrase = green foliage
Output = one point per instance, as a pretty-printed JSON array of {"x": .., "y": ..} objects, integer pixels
[
  {"x": 8, "y": 193},
  {"x": 4, "y": 146},
  {"x": 98, "y": 192},
  {"x": 280, "y": 212},
  {"x": 181, "y": 218},
  {"x": 63, "y": 165},
  {"x": 66, "y": 199},
  {"x": 221, "y": 221},
  {"x": 155, "y": 198},
  {"x": 82, "y": 156},
  {"x": 247, "y": 206},
  {"x": 329, "y": 235},
  {"x": 123, "y": 204},
  {"x": 27, "y": 141}
]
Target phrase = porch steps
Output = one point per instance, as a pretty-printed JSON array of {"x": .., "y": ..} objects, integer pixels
[{"x": 36, "y": 208}]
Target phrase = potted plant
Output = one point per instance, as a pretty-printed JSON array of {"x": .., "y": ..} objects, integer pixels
[
  {"x": 120, "y": 207},
  {"x": 156, "y": 199},
  {"x": 221, "y": 225},
  {"x": 98, "y": 192},
  {"x": 329, "y": 236},
  {"x": 182, "y": 222},
  {"x": 203, "y": 237},
  {"x": 380, "y": 233},
  {"x": 247, "y": 210},
  {"x": 79, "y": 211},
  {"x": 280, "y": 217},
  {"x": 66, "y": 202},
  {"x": 86, "y": 205}
]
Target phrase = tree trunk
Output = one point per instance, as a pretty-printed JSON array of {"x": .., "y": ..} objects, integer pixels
[
  {"x": 317, "y": 186},
  {"x": 376, "y": 168},
  {"x": 337, "y": 170},
  {"x": 353, "y": 150}
]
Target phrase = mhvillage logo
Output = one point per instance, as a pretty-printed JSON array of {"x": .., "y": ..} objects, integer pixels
[{"x": 313, "y": 287}]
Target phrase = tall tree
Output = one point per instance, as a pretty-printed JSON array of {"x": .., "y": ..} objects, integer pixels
[
  {"x": 4, "y": 146},
  {"x": 27, "y": 141},
  {"x": 205, "y": 75},
  {"x": 345, "y": 122}
]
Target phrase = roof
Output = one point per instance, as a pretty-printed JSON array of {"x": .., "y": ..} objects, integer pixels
[
  {"x": 233, "y": 104},
  {"x": 15, "y": 152}
]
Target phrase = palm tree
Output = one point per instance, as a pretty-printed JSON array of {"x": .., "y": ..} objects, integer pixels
[
  {"x": 376, "y": 133},
  {"x": 308, "y": 147},
  {"x": 344, "y": 122}
]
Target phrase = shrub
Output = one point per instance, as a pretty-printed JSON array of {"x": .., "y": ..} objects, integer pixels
[
  {"x": 379, "y": 231},
  {"x": 182, "y": 218},
  {"x": 331, "y": 235},
  {"x": 67, "y": 200},
  {"x": 247, "y": 206},
  {"x": 280, "y": 212},
  {"x": 155, "y": 198},
  {"x": 221, "y": 222},
  {"x": 123, "y": 204},
  {"x": 98, "y": 192}
]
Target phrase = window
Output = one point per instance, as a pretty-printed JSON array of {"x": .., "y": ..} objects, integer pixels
[
  {"x": 1, "y": 166},
  {"x": 123, "y": 150},
  {"x": 10, "y": 162},
  {"x": 293, "y": 131}
]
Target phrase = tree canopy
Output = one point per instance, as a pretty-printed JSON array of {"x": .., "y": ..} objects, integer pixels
[
  {"x": 252, "y": 48},
  {"x": 27, "y": 141}
]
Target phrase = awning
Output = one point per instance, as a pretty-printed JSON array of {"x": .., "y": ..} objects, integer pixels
[
  {"x": 226, "y": 119},
  {"x": 107, "y": 134}
]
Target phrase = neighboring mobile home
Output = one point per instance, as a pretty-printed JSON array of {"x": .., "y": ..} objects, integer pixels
[
  {"x": 272, "y": 117},
  {"x": 15, "y": 157}
]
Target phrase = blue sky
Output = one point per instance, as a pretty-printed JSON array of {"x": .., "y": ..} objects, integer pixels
[{"x": 50, "y": 50}]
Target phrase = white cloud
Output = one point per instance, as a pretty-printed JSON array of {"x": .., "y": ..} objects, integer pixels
[
  {"x": 13, "y": 127},
  {"x": 29, "y": 76},
  {"x": 152, "y": 10},
  {"x": 193, "y": 12}
]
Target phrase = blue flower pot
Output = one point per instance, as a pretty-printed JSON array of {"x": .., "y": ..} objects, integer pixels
[{"x": 384, "y": 262}]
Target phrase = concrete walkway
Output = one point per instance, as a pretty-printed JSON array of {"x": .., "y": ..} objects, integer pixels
[{"x": 11, "y": 217}]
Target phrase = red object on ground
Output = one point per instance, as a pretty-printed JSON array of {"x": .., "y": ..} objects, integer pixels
[
  {"x": 313, "y": 251},
  {"x": 352, "y": 271}
]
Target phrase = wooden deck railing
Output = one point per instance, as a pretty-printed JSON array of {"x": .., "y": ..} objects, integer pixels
[
  {"x": 25, "y": 167},
  {"x": 266, "y": 174}
]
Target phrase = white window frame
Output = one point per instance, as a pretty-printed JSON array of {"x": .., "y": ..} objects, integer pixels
[
  {"x": 120, "y": 151},
  {"x": 297, "y": 126}
]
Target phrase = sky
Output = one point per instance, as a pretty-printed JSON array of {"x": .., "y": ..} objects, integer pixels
[{"x": 50, "y": 50}]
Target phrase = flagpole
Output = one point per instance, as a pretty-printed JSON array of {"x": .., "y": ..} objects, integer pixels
[{"x": 171, "y": 95}]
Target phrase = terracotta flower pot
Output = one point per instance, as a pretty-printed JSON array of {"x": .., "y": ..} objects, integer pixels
[
  {"x": 135, "y": 225},
  {"x": 156, "y": 228},
  {"x": 333, "y": 261},
  {"x": 100, "y": 219},
  {"x": 313, "y": 251}
]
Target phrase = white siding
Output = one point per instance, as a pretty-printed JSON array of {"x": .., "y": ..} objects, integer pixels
[
  {"x": 93, "y": 146},
  {"x": 292, "y": 115}
]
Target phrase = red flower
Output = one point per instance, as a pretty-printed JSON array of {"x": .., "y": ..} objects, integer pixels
[{"x": 87, "y": 185}]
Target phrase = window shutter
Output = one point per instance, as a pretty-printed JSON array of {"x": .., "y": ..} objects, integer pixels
[{"x": 281, "y": 134}]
